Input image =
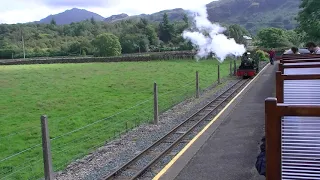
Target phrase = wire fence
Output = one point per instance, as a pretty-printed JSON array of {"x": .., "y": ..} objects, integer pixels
[{"x": 23, "y": 158}]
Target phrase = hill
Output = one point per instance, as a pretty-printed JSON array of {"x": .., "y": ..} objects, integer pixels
[
  {"x": 252, "y": 14},
  {"x": 72, "y": 15},
  {"x": 116, "y": 17},
  {"x": 255, "y": 14}
]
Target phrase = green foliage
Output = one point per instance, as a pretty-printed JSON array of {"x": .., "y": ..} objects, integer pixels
[
  {"x": 273, "y": 38},
  {"x": 294, "y": 37},
  {"x": 261, "y": 55},
  {"x": 309, "y": 19},
  {"x": 53, "y": 22},
  {"x": 255, "y": 14},
  {"x": 107, "y": 44},
  {"x": 135, "y": 35},
  {"x": 166, "y": 29},
  {"x": 63, "y": 40},
  {"x": 83, "y": 53},
  {"x": 237, "y": 32}
]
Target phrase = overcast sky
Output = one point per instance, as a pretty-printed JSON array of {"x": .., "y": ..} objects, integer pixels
[{"x": 20, "y": 11}]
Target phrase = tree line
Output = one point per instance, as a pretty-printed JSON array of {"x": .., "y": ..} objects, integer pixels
[
  {"x": 95, "y": 38},
  {"x": 308, "y": 29},
  {"x": 91, "y": 37}
]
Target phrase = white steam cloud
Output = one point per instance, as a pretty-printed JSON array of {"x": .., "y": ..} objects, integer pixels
[{"x": 208, "y": 38}]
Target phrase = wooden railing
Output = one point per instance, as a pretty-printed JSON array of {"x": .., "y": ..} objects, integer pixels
[
  {"x": 297, "y": 94},
  {"x": 282, "y": 66}
]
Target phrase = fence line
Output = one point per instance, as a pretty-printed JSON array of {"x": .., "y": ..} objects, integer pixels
[{"x": 83, "y": 127}]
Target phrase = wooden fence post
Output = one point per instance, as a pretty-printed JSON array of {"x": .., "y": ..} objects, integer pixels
[
  {"x": 230, "y": 68},
  {"x": 48, "y": 170},
  {"x": 197, "y": 84},
  {"x": 155, "y": 104},
  {"x": 218, "y": 73},
  {"x": 273, "y": 139},
  {"x": 234, "y": 67}
]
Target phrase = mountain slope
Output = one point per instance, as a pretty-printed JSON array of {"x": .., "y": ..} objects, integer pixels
[
  {"x": 72, "y": 15},
  {"x": 252, "y": 14},
  {"x": 116, "y": 17}
]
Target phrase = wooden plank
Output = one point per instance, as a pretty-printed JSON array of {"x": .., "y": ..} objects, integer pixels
[
  {"x": 300, "y": 60},
  {"x": 298, "y": 110},
  {"x": 301, "y": 71},
  {"x": 273, "y": 140},
  {"x": 298, "y": 95},
  {"x": 299, "y": 56},
  {"x": 282, "y": 67},
  {"x": 301, "y": 63}
]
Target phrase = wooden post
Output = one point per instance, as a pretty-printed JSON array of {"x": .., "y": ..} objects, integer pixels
[
  {"x": 230, "y": 68},
  {"x": 279, "y": 87},
  {"x": 234, "y": 67},
  {"x": 48, "y": 170},
  {"x": 155, "y": 104},
  {"x": 281, "y": 67},
  {"x": 197, "y": 84},
  {"x": 273, "y": 140},
  {"x": 218, "y": 73}
]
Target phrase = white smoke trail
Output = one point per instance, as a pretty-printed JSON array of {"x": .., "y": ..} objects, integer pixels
[{"x": 208, "y": 38}]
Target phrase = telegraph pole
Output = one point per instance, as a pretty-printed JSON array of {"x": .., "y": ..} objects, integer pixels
[{"x": 24, "y": 52}]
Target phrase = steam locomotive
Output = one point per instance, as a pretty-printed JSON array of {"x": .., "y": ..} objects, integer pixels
[{"x": 247, "y": 68}]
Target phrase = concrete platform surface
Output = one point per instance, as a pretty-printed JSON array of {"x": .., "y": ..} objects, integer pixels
[{"x": 229, "y": 147}]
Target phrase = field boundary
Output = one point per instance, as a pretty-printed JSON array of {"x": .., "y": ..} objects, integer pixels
[{"x": 124, "y": 58}]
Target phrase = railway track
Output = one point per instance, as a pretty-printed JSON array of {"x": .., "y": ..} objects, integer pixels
[{"x": 141, "y": 163}]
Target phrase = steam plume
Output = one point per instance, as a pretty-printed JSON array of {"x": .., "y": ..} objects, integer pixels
[{"x": 208, "y": 38}]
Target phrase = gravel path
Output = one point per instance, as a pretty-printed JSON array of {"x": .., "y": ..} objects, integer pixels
[{"x": 115, "y": 153}]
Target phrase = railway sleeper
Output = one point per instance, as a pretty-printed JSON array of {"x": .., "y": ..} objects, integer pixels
[
  {"x": 195, "y": 119},
  {"x": 180, "y": 132},
  {"x": 123, "y": 177},
  {"x": 202, "y": 115},
  {"x": 224, "y": 96},
  {"x": 210, "y": 109},
  {"x": 134, "y": 167},
  {"x": 153, "y": 153},
  {"x": 214, "y": 105}
]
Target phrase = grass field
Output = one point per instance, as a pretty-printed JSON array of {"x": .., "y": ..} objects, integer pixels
[{"x": 79, "y": 100}]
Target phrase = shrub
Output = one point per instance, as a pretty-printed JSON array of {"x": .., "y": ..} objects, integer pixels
[{"x": 263, "y": 56}]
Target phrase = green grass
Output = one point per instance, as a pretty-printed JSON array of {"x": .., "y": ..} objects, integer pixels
[{"x": 78, "y": 98}]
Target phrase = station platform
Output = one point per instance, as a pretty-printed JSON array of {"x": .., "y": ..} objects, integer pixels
[{"x": 228, "y": 148}]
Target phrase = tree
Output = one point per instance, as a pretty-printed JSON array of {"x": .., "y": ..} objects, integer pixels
[
  {"x": 309, "y": 19},
  {"x": 272, "y": 38},
  {"x": 165, "y": 29},
  {"x": 186, "y": 20},
  {"x": 294, "y": 37},
  {"x": 53, "y": 22},
  {"x": 107, "y": 44},
  {"x": 237, "y": 32},
  {"x": 152, "y": 35},
  {"x": 93, "y": 21}
]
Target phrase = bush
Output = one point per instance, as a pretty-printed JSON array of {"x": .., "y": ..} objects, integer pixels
[
  {"x": 263, "y": 56},
  {"x": 107, "y": 44}
]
